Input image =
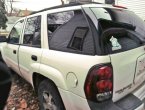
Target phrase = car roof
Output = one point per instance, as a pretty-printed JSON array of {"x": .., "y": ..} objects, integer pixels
[
  {"x": 73, "y": 5},
  {"x": 92, "y": 4},
  {"x": 63, "y": 6}
]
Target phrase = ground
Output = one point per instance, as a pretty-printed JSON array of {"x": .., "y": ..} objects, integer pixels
[{"x": 22, "y": 96}]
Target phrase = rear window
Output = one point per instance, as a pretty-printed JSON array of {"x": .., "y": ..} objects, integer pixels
[
  {"x": 121, "y": 16},
  {"x": 110, "y": 19},
  {"x": 69, "y": 31}
]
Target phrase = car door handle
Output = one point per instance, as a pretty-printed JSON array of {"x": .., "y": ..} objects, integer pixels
[
  {"x": 34, "y": 57},
  {"x": 14, "y": 51}
]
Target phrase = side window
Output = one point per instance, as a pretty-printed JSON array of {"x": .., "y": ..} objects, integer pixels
[
  {"x": 55, "y": 20},
  {"x": 32, "y": 32},
  {"x": 16, "y": 32},
  {"x": 69, "y": 32}
]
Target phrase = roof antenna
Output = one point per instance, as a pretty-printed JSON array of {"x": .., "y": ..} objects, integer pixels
[{"x": 79, "y": 1}]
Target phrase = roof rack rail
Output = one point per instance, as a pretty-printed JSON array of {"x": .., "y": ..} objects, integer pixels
[
  {"x": 55, "y": 7},
  {"x": 65, "y": 5}
]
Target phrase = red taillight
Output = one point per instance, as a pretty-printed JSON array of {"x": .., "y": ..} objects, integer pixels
[
  {"x": 104, "y": 72},
  {"x": 104, "y": 86},
  {"x": 99, "y": 83}
]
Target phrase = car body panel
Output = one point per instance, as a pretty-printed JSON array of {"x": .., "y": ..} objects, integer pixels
[
  {"x": 26, "y": 64},
  {"x": 67, "y": 62},
  {"x": 124, "y": 67},
  {"x": 57, "y": 65},
  {"x": 11, "y": 59}
]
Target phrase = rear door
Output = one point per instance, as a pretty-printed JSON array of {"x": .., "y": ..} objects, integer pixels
[
  {"x": 30, "y": 50},
  {"x": 12, "y": 46},
  {"x": 124, "y": 69},
  {"x": 126, "y": 53}
]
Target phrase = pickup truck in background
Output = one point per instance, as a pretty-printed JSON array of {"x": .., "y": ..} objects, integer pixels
[{"x": 81, "y": 57}]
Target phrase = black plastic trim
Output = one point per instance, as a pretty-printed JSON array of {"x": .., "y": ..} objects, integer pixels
[
  {"x": 107, "y": 105},
  {"x": 70, "y": 45},
  {"x": 130, "y": 102}
]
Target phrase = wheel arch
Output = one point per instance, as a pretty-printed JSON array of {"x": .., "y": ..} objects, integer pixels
[{"x": 38, "y": 77}]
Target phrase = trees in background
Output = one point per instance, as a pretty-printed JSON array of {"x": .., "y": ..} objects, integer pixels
[
  {"x": 3, "y": 18},
  {"x": 4, "y": 10}
]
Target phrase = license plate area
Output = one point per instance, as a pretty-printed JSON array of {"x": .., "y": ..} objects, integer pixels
[{"x": 140, "y": 70}]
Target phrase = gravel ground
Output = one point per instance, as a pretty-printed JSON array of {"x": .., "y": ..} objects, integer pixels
[{"x": 22, "y": 96}]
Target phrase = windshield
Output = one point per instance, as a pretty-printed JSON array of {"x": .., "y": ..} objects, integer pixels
[{"x": 108, "y": 17}]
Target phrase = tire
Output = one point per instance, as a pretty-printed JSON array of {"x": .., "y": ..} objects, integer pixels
[
  {"x": 49, "y": 97},
  {"x": 1, "y": 59},
  {"x": 5, "y": 84}
]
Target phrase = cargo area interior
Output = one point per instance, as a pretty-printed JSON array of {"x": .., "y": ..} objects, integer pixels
[{"x": 118, "y": 37}]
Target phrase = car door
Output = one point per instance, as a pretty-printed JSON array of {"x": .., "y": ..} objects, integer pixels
[
  {"x": 12, "y": 46},
  {"x": 30, "y": 49}
]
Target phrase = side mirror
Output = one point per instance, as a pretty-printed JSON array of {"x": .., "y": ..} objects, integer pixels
[{"x": 3, "y": 39}]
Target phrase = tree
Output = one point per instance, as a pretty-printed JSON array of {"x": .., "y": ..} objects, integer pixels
[{"x": 3, "y": 18}]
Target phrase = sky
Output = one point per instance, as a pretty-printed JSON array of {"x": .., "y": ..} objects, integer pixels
[{"x": 35, "y": 5}]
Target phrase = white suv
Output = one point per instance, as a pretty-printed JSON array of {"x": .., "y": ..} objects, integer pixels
[{"x": 81, "y": 57}]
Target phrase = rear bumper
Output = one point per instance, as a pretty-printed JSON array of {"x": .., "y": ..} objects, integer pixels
[
  {"x": 129, "y": 102},
  {"x": 133, "y": 101},
  {"x": 75, "y": 102}
]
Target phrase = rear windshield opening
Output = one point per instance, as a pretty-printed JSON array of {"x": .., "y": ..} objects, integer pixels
[
  {"x": 115, "y": 20},
  {"x": 120, "y": 16}
]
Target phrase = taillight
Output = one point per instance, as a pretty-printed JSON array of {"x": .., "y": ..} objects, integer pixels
[{"x": 99, "y": 83}]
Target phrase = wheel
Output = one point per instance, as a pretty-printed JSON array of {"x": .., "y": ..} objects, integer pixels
[
  {"x": 1, "y": 59},
  {"x": 49, "y": 96}
]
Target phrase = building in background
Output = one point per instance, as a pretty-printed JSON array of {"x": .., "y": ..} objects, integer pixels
[{"x": 137, "y": 6}]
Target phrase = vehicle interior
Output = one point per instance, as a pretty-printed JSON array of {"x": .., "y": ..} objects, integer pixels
[{"x": 72, "y": 36}]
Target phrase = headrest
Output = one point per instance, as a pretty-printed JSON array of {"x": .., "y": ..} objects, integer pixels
[{"x": 116, "y": 32}]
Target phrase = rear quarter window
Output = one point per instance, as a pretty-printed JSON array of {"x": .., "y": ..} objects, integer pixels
[{"x": 69, "y": 32}]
